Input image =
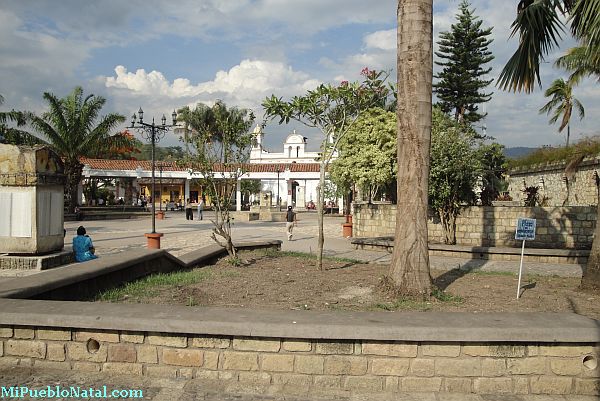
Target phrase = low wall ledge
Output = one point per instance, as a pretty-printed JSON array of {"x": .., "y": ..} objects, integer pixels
[{"x": 377, "y": 326}]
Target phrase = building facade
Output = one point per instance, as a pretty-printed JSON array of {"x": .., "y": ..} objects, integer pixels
[
  {"x": 291, "y": 176},
  {"x": 290, "y": 189}
]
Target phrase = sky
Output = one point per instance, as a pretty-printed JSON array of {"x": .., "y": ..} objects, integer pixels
[{"x": 162, "y": 55}]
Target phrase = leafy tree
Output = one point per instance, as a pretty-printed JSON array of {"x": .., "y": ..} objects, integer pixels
[
  {"x": 12, "y": 135},
  {"x": 454, "y": 170},
  {"x": 493, "y": 167},
  {"x": 219, "y": 162},
  {"x": 124, "y": 148},
  {"x": 162, "y": 153},
  {"x": 249, "y": 187},
  {"x": 72, "y": 129},
  {"x": 562, "y": 103},
  {"x": 539, "y": 27},
  {"x": 333, "y": 110},
  {"x": 367, "y": 153},
  {"x": 464, "y": 51},
  {"x": 409, "y": 270}
]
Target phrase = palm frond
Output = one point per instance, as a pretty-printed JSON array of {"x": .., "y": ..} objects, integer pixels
[
  {"x": 579, "y": 107},
  {"x": 539, "y": 28},
  {"x": 580, "y": 62},
  {"x": 585, "y": 22}
]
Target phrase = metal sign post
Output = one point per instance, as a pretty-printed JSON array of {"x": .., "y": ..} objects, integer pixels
[{"x": 525, "y": 231}]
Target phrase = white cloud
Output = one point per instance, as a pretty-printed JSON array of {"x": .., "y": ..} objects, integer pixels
[
  {"x": 34, "y": 61},
  {"x": 383, "y": 40},
  {"x": 245, "y": 84}
]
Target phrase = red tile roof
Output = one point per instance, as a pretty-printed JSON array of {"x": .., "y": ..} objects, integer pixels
[{"x": 107, "y": 164}]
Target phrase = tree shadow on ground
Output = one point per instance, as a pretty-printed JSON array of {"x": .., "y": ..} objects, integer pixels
[{"x": 444, "y": 280}]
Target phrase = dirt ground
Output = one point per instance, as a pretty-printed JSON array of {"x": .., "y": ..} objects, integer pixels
[{"x": 293, "y": 282}]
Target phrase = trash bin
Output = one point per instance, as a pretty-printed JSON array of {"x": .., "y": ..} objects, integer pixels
[{"x": 347, "y": 230}]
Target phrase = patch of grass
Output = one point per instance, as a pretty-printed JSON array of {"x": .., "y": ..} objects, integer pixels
[
  {"x": 234, "y": 261},
  {"x": 491, "y": 273},
  {"x": 270, "y": 252},
  {"x": 274, "y": 253},
  {"x": 147, "y": 285},
  {"x": 444, "y": 296},
  {"x": 314, "y": 257},
  {"x": 228, "y": 273}
]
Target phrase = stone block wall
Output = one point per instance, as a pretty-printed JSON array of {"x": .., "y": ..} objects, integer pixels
[
  {"x": 557, "y": 227},
  {"x": 550, "y": 178},
  {"x": 312, "y": 366}
]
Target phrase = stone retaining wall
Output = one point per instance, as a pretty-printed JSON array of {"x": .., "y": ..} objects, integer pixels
[
  {"x": 310, "y": 366},
  {"x": 550, "y": 178},
  {"x": 557, "y": 227}
]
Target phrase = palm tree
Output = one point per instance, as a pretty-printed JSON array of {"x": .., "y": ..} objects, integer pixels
[
  {"x": 11, "y": 135},
  {"x": 538, "y": 26},
  {"x": 579, "y": 64},
  {"x": 562, "y": 103},
  {"x": 409, "y": 271},
  {"x": 71, "y": 129}
]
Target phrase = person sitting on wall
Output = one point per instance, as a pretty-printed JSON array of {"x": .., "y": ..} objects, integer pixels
[
  {"x": 78, "y": 213},
  {"x": 83, "y": 247}
]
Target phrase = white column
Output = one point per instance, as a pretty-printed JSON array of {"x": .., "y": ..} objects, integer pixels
[
  {"x": 288, "y": 187},
  {"x": 238, "y": 195},
  {"x": 186, "y": 190},
  {"x": 80, "y": 193}
]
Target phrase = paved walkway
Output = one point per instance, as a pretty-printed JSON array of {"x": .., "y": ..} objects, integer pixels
[
  {"x": 182, "y": 236},
  {"x": 160, "y": 389}
]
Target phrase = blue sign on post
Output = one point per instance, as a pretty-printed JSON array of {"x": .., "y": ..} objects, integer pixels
[{"x": 525, "y": 229}]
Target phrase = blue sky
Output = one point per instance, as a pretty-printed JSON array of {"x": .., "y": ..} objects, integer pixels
[{"x": 164, "y": 55}]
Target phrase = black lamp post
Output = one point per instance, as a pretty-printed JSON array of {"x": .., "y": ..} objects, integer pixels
[
  {"x": 153, "y": 133},
  {"x": 278, "y": 203}
]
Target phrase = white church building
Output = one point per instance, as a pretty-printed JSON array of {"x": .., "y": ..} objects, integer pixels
[
  {"x": 297, "y": 169},
  {"x": 292, "y": 175}
]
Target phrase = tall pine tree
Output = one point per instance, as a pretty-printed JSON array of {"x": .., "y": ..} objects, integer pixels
[{"x": 464, "y": 52}]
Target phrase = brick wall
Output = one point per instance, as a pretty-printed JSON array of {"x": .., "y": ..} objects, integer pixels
[
  {"x": 312, "y": 365},
  {"x": 557, "y": 227},
  {"x": 550, "y": 179}
]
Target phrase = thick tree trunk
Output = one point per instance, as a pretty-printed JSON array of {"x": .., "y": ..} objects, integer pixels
[
  {"x": 73, "y": 171},
  {"x": 591, "y": 277},
  {"x": 128, "y": 191},
  {"x": 320, "y": 201},
  {"x": 448, "y": 219},
  {"x": 410, "y": 261}
]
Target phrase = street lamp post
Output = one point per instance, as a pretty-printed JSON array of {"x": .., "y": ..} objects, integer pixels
[{"x": 153, "y": 133}]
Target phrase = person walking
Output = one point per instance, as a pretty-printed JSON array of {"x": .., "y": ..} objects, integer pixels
[
  {"x": 291, "y": 220},
  {"x": 200, "y": 208},
  {"x": 189, "y": 212}
]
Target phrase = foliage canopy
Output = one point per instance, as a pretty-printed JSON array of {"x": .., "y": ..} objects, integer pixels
[{"x": 464, "y": 52}]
